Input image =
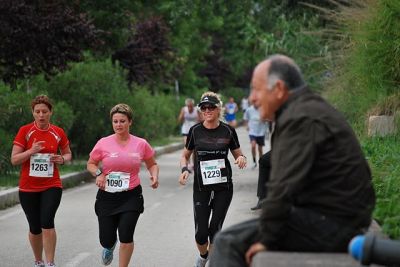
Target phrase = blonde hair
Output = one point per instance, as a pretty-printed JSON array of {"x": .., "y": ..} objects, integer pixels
[
  {"x": 189, "y": 100},
  {"x": 219, "y": 105},
  {"x": 123, "y": 109}
]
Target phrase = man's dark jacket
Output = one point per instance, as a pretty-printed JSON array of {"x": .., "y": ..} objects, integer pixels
[{"x": 317, "y": 163}]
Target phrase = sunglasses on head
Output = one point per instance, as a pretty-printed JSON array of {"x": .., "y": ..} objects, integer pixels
[{"x": 210, "y": 108}]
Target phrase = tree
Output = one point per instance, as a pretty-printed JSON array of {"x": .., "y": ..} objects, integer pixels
[
  {"x": 41, "y": 37},
  {"x": 146, "y": 52}
]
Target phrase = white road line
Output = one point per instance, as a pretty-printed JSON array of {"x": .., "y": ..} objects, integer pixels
[
  {"x": 18, "y": 210},
  {"x": 83, "y": 187},
  {"x": 78, "y": 259},
  {"x": 10, "y": 214},
  {"x": 154, "y": 206},
  {"x": 169, "y": 195}
]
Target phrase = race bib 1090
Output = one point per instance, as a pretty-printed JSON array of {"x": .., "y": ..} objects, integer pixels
[{"x": 117, "y": 182}]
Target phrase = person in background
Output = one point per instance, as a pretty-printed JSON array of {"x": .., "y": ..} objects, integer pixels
[
  {"x": 320, "y": 193},
  {"x": 244, "y": 104},
  {"x": 210, "y": 142},
  {"x": 230, "y": 112},
  {"x": 264, "y": 168},
  {"x": 40, "y": 147},
  {"x": 119, "y": 200},
  {"x": 258, "y": 129},
  {"x": 188, "y": 116}
]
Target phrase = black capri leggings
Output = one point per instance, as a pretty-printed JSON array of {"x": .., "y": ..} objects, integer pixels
[
  {"x": 40, "y": 208},
  {"x": 124, "y": 222},
  {"x": 203, "y": 203}
]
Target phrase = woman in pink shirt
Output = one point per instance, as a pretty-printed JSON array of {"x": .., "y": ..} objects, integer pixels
[{"x": 119, "y": 200}]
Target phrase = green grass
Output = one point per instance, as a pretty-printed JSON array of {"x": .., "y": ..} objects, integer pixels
[
  {"x": 9, "y": 180},
  {"x": 165, "y": 140},
  {"x": 78, "y": 165},
  {"x": 383, "y": 155},
  {"x": 367, "y": 81},
  {"x": 12, "y": 179}
]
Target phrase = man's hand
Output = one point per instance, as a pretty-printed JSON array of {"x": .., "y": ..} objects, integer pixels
[{"x": 253, "y": 250}]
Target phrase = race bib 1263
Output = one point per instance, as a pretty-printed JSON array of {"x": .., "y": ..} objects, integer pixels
[{"x": 40, "y": 165}]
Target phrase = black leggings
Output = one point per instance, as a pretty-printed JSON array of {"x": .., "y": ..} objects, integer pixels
[
  {"x": 203, "y": 203},
  {"x": 40, "y": 208},
  {"x": 124, "y": 222}
]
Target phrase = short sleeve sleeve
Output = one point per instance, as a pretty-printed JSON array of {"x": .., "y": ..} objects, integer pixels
[
  {"x": 20, "y": 139},
  {"x": 64, "y": 139},
  {"x": 234, "y": 143},
  {"x": 97, "y": 152},
  {"x": 190, "y": 140},
  {"x": 148, "y": 151}
]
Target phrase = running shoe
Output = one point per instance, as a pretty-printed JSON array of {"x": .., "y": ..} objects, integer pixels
[
  {"x": 257, "y": 206},
  {"x": 254, "y": 166},
  {"x": 50, "y": 264},
  {"x": 39, "y": 264},
  {"x": 107, "y": 255},
  {"x": 200, "y": 261}
]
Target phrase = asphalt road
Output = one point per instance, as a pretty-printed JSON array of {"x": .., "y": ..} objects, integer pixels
[{"x": 165, "y": 232}]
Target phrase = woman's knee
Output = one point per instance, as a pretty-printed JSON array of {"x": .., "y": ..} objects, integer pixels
[{"x": 201, "y": 237}]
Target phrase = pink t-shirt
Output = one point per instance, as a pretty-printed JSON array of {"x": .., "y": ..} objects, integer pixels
[{"x": 122, "y": 158}]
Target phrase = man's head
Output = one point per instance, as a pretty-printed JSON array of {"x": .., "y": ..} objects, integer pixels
[{"x": 273, "y": 80}]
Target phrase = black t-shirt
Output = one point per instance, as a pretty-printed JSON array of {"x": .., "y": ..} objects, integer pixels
[{"x": 210, "y": 153}]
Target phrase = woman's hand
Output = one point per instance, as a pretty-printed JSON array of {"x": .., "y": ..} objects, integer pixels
[
  {"x": 101, "y": 181},
  {"x": 59, "y": 159},
  {"x": 154, "y": 182},
  {"x": 184, "y": 177},
  {"x": 37, "y": 146},
  {"x": 241, "y": 161}
]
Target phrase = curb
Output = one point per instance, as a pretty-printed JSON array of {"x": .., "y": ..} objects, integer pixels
[{"x": 9, "y": 197}]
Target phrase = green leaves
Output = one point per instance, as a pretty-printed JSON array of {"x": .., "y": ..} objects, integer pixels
[{"x": 40, "y": 38}]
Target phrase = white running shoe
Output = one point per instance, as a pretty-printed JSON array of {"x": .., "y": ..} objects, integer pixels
[
  {"x": 39, "y": 264},
  {"x": 200, "y": 262},
  {"x": 50, "y": 264},
  {"x": 107, "y": 255}
]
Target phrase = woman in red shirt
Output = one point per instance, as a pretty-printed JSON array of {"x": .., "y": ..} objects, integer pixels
[{"x": 39, "y": 148}]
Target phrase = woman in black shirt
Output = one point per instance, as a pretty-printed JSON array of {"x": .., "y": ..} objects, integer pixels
[{"x": 210, "y": 141}]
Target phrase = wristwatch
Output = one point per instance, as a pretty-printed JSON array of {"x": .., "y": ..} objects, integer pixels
[{"x": 98, "y": 172}]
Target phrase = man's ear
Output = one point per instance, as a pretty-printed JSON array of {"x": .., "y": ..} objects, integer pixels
[{"x": 282, "y": 91}]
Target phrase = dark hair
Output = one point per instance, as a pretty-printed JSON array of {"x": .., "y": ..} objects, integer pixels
[
  {"x": 42, "y": 99},
  {"x": 123, "y": 109},
  {"x": 285, "y": 69}
]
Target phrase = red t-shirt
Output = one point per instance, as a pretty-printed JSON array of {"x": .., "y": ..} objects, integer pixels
[{"x": 33, "y": 177}]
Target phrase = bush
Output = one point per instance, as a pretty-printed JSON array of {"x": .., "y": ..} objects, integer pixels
[
  {"x": 85, "y": 94},
  {"x": 154, "y": 116},
  {"x": 14, "y": 107},
  {"x": 384, "y": 155},
  {"x": 367, "y": 81}
]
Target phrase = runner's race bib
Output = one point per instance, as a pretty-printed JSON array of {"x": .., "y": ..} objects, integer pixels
[
  {"x": 211, "y": 171},
  {"x": 40, "y": 165},
  {"x": 117, "y": 182}
]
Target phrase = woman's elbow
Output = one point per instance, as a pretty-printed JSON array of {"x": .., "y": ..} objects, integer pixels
[{"x": 14, "y": 162}]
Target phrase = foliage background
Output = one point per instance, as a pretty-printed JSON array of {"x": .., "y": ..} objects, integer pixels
[
  {"x": 349, "y": 52},
  {"x": 365, "y": 81}
]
